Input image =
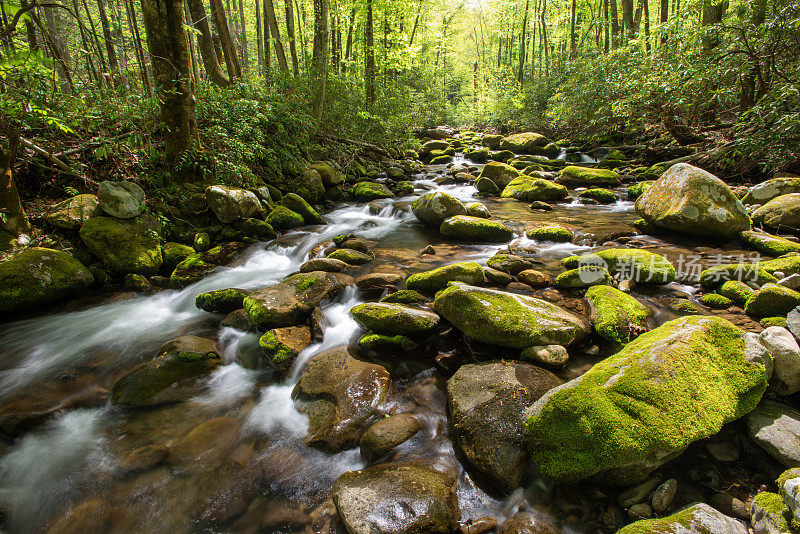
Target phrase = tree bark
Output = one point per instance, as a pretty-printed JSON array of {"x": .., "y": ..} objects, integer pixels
[
  {"x": 664, "y": 20},
  {"x": 137, "y": 41},
  {"x": 369, "y": 58},
  {"x": 16, "y": 220},
  {"x": 614, "y": 23},
  {"x": 319, "y": 60},
  {"x": 269, "y": 11},
  {"x": 111, "y": 52},
  {"x": 521, "y": 70},
  {"x": 245, "y": 49},
  {"x": 572, "y": 39},
  {"x": 627, "y": 19},
  {"x": 290, "y": 33},
  {"x": 205, "y": 42},
  {"x": 226, "y": 39}
]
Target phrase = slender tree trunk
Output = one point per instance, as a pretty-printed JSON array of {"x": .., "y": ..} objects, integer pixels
[
  {"x": 137, "y": 42},
  {"x": 349, "y": 46},
  {"x": 369, "y": 58},
  {"x": 16, "y": 220},
  {"x": 290, "y": 33},
  {"x": 627, "y": 19},
  {"x": 57, "y": 45},
  {"x": 113, "y": 62},
  {"x": 646, "y": 4},
  {"x": 280, "y": 54},
  {"x": 93, "y": 74},
  {"x": 615, "y": 33},
  {"x": 572, "y": 39},
  {"x": 245, "y": 48},
  {"x": 169, "y": 50},
  {"x": 226, "y": 39},
  {"x": 545, "y": 43},
  {"x": 664, "y": 20},
  {"x": 205, "y": 42},
  {"x": 416, "y": 24},
  {"x": 259, "y": 38},
  {"x": 30, "y": 29},
  {"x": 267, "y": 40},
  {"x": 192, "y": 45},
  {"x": 606, "y": 22},
  {"x": 319, "y": 60},
  {"x": 521, "y": 70}
]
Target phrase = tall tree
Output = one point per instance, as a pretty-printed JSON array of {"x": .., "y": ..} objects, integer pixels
[
  {"x": 226, "y": 39},
  {"x": 612, "y": 4},
  {"x": 113, "y": 62},
  {"x": 269, "y": 12},
  {"x": 290, "y": 34},
  {"x": 16, "y": 220},
  {"x": 319, "y": 60},
  {"x": 521, "y": 70},
  {"x": 205, "y": 43},
  {"x": 369, "y": 58},
  {"x": 245, "y": 50},
  {"x": 572, "y": 39}
]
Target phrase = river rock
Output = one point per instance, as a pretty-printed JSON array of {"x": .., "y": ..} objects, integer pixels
[
  {"x": 692, "y": 201},
  {"x": 785, "y": 352},
  {"x": 487, "y": 186},
  {"x": 282, "y": 218},
  {"x": 641, "y": 266},
  {"x": 340, "y": 395},
  {"x": 396, "y": 499},
  {"x": 776, "y": 428},
  {"x": 174, "y": 253},
  {"x": 789, "y": 486},
  {"x": 291, "y": 301},
  {"x": 298, "y": 204},
  {"x": 476, "y": 209},
  {"x": 550, "y": 232},
  {"x": 696, "y": 518},
  {"x": 509, "y": 263},
  {"x": 575, "y": 176},
  {"x": 378, "y": 281},
  {"x": 197, "y": 266},
  {"x": 280, "y": 346},
  {"x": 70, "y": 214},
  {"x": 646, "y": 398},
  {"x": 330, "y": 176},
  {"x": 768, "y": 243},
  {"x": 164, "y": 379},
  {"x": 500, "y": 174},
  {"x": 386, "y": 318},
  {"x": 328, "y": 265},
  {"x": 308, "y": 184},
  {"x": 221, "y": 300},
  {"x": 530, "y": 189},
  {"x": 780, "y": 213},
  {"x": 616, "y": 316},
  {"x": 485, "y": 406},
  {"x": 475, "y": 229},
  {"x": 769, "y": 189},
  {"x": 434, "y": 208},
  {"x": 92, "y": 515},
  {"x": 123, "y": 200},
  {"x": 350, "y": 256},
  {"x": 369, "y": 191},
  {"x": 508, "y": 320},
  {"x": 231, "y": 204},
  {"x": 125, "y": 245},
  {"x": 523, "y": 143},
  {"x": 772, "y": 300},
  {"x": 527, "y": 523},
  {"x": 468, "y": 272},
  {"x": 37, "y": 276},
  {"x": 387, "y": 434},
  {"x": 769, "y": 514}
]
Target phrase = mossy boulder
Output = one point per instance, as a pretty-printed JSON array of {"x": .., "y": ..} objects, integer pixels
[
  {"x": 617, "y": 316},
  {"x": 350, "y": 256},
  {"x": 123, "y": 200},
  {"x": 698, "y": 517},
  {"x": 404, "y": 188},
  {"x": 406, "y": 296},
  {"x": 297, "y": 204},
  {"x": 509, "y": 263},
  {"x": 198, "y": 266},
  {"x": 643, "y": 406},
  {"x": 397, "y": 499},
  {"x": 369, "y": 191},
  {"x": 170, "y": 376},
  {"x": 231, "y": 204},
  {"x": 475, "y": 229},
  {"x": 430, "y": 281},
  {"x": 768, "y": 244},
  {"x": 641, "y": 266},
  {"x": 444, "y": 159},
  {"x": 772, "y": 300},
  {"x": 603, "y": 196},
  {"x": 485, "y": 404},
  {"x": 339, "y": 394},
  {"x": 477, "y": 209},
  {"x": 492, "y": 141},
  {"x": 387, "y": 318},
  {"x": 292, "y": 300},
  {"x": 36, "y": 276},
  {"x": 573, "y": 176},
  {"x": 308, "y": 184},
  {"x": 499, "y": 173},
  {"x": 221, "y": 300},
  {"x": 780, "y": 213},
  {"x": 258, "y": 229},
  {"x": 689, "y": 200},
  {"x": 70, "y": 214},
  {"x": 523, "y": 143},
  {"x": 280, "y": 346},
  {"x": 125, "y": 245},
  {"x": 637, "y": 190},
  {"x": 716, "y": 301},
  {"x": 530, "y": 189},
  {"x": 329, "y": 175},
  {"x": 506, "y": 319},
  {"x": 282, "y": 218},
  {"x": 487, "y": 186},
  {"x": 329, "y": 265},
  {"x": 770, "y": 514},
  {"x": 174, "y": 253},
  {"x": 740, "y": 272},
  {"x": 382, "y": 344},
  {"x": 433, "y": 208},
  {"x": 769, "y": 189},
  {"x": 551, "y": 232},
  {"x": 434, "y": 144},
  {"x": 582, "y": 277},
  {"x": 477, "y": 155}
]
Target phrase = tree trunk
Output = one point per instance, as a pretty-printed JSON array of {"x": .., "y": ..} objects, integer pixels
[
  {"x": 259, "y": 38},
  {"x": 572, "y": 40},
  {"x": 113, "y": 62},
  {"x": 290, "y": 33},
  {"x": 228, "y": 46},
  {"x": 16, "y": 220},
  {"x": 319, "y": 60},
  {"x": 713, "y": 14},
  {"x": 57, "y": 45},
  {"x": 369, "y": 58},
  {"x": 192, "y": 46},
  {"x": 245, "y": 50},
  {"x": 646, "y": 4},
  {"x": 169, "y": 50},
  {"x": 349, "y": 46},
  {"x": 614, "y": 23},
  {"x": 521, "y": 70},
  {"x": 267, "y": 40},
  {"x": 137, "y": 42},
  {"x": 627, "y": 19},
  {"x": 205, "y": 42},
  {"x": 664, "y": 20},
  {"x": 269, "y": 12},
  {"x": 30, "y": 29}
]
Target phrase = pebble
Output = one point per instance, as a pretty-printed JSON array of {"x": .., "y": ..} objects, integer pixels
[
  {"x": 640, "y": 511},
  {"x": 479, "y": 526},
  {"x": 429, "y": 250},
  {"x": 638, "y": 493},
  {"x": 723, "y": 451},
  {"x": 663, "y": 495}
]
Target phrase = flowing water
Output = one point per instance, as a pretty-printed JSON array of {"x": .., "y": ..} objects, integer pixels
[{"x": 254, "y": 473}]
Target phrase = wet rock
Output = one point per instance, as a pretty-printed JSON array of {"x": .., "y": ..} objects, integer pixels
[
  {"x": 583, "y": 277},
  {"x": 369, "y": 191},
  {"x": 644, "y": 393},
  {"x": 770, "y": 515},
  {"x": 231, "y": 204},
  {"x": 616, "y": 316},
  {"x": 789, "y": 486},
  {"x": 405, "y": 296},
  {"x": 485, "y": 404},
  {"x": 499, "y": 174},
  {"x": 143, "y": 459},
  {"x": 475, "y": 229},
  {"x": 197, "y": 266},
  {"x": 640, "y": 511},
  {"x": 547, "y": 355},
  {"x": 350, "y": 256},
  {"x": 387, "y": 434},
  {"x": 690, "y": 200},
  {"x": 482, "y": 525},
  {"x": 123, "y": 200},
  {"x": 523, "y": 143},
  {"x": 639, "y": 492},
  {"x": 769, "y": 189},
  {"x": 534, "y": 278},
  {"x": 291, "y": 301},
  {"x": 530, "y": 189},
  {"x": 402, "y": 499},
  {"x": 436, "y": 279},
  {"x": 786, "y": 356},
  {"x": 207, "y": 443},
  {"x": 772, "y": 300},
  {"x": 387, "y": 318},
  {"x": 434, "y": 208},
  {"x": 782, "y": 212},
  {"x": 508, "y": 320},
  {"x": 173, "y": 254},
  {"x": 340, "y": 395},
  {"x": 509, "y": 263},
  {"x": 378, "y": 281},
  {"x": 497, "y": 277},
  {"x": 527, "y": 523},
  {"x": 169, "y": 377},
  {"x": 768, "y": 244},
  {"x": 282, "y": 218},
  {"x": 125, "y": 246},
  {"x": 328, "y": 265},
  {"x": 550, "y": 232},
  {"x": 70, "y": 214},
  {"x": 487, "y": 186},
  {"x": 280, "y": 346},
  {"x": 221, "y": 300},
  {"x": 476, "y": 209},
  {"x": 776, "y": 428},
  {"x": 36, "y": 276},
  {"x": 792, "y": 282},
  {"x": 698, "y": 517},
  {"x": 641, "y": 266},
  {"x": 663, "y": 496},
  {"x": 723, "y": 451},
  {"x": 93, "y": 515},
  {"x": 587, "y": 176},
  {"x": 541, "y": 206},
  {"x": 730, "y": 505}
]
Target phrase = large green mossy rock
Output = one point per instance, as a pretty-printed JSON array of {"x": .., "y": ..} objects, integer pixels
[
  {"x": 617, "y": 316},
  {"x": 282, "y": 218},
  {"x": 34, "y": 277},
  {"x": 174, "y": 253},
  {"x": 292, "y": 300},
  {"x": 434, "y": 208},
  {"x": 475, "y": 229},
  {"x": 689, "y": 200},
  {"x": 124, "y": 200},
  {"x": 231, "y": 203},
  {"x": 635, "y": 264},
  {"x": 429, "y": 281},
  {"x": 769, "y": 189},
  {"x": 387, "y": 318},
  {"x": 499, "y": 173},
  {"x": 309, "y": 185},
  {"x": 761, "y": 272},
  {"x": 125, "y": 245},
  {"x": 574, "y": 175},
  {"x": 70, "y": 214},
  {"x": 508, "y": 320},
  {"x": 197, "y": 266},
  {"x": 164, "y": 378},
  {"x": 780, "y": 213},
  {"x": 523, "y": 143},
  {"x": 221, "y": 300},
  {"x": 330, "y": 176},
  {"x": 297, "y": 204},
  {"x": 369, "y": 191},
  {"x": 397, "y": 499},
  {"x": 772, "y": 301},
  {"x": 530, "y": 189},
  {"x": 768, "y": 243},
  {"x": 697, "y": 518},
  {"x": 643, "y": 406}
]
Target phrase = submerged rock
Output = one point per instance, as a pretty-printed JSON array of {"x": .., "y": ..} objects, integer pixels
[
  {"x": 123, "y": 200},
  {"x": 231, "y": 204},
  {"x": 125, "y": 246},
  {"x": 698, "y": 517},
  {"x": 646, "y": 399},
  {"x": 690, "y": 200},
  {"x": 475, "y": 229},
  {"x": 387, "y": 434},
  {"x": 434, "y": 208},
  {"x": 70, "y": 214},
  {"x": 397, "y": 499},
  {"x": 486, "y": 403},
  {"x": 430, "y": 281},
  {"x": 37, "y": 276},
  {"x": 280, "y": 346}
]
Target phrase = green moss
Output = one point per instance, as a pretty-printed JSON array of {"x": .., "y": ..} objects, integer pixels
[
  {"x": 741, "y": 272},
  {"x": 617, "y": 317},
  {"x": 220, "y": 300},
  {"x": 529, "y": 189},
  {"x": 369, "y": 191},
  {"x": 442, "y": 160},
  {"x": 642, "y": 406},
  {"x": 772, "y": 301},
  {"x": 124, "y": 246},
  {"x": 604, "y": 196},
  {"x": 714, "y": 300},
  {"x": 781, "y": 212},
  {"x": 186, "y": 356},
  {"x": 683, "y": 306},
  {"x": 768, "y": 244},
  {"x": 190, "y": 270},
  {"x": 405, "y": 296},
  {"x": 430, "y": 281},
  {"x": 773, "y": 505},
  {"x": 404, "y": 188},
  {"x": 298, "y": 205},
  {"x": 786, "y": 476},
  {"x": 475, "y": 229},
  {"x": 499, "y": 173},
  {"x": 280, "y": 356},
  {"x": 737, "y": 291},
  {"x": 587, "y": 176},
  {"x": 282, "y": 218},
  {"x": 173, "y": 254},
  {"x": 642, "y": 266},
  {"x": 487, "y": 186},
  {"x": 766, "y": 322},
  {"x": 551, "y": 232},
  {"x": 381, "y": 343},
  {"x": 350, "y": 256},
  {"x": 306, "y": 283},
  {"x": 587, "y": 276},
  {"x": 394, "y": 318}
]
